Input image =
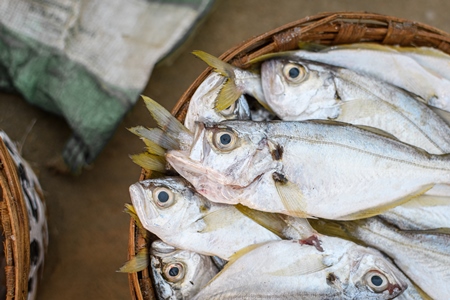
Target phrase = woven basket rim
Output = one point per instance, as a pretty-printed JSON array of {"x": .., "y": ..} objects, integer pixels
[
  {"x": 328, "y": 28},
  {"x": 15, "y": 224}
]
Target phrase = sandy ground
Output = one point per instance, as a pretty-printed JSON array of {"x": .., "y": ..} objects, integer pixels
[{"x": 88, "y": 231}]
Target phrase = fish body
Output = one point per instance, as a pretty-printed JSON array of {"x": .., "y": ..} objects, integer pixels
[
  {"x": 421, "y": 71},
  {"x": 328, "y": 92},
  {"x": 423, "y": 257},
  {"x": 187, "y": 220},
  {"x": 422, "y": 213},
  {"x": 179, "y": 274},
  {"x": 289, "y": 270},
  {"x": 201, "y": 105},
  {"x": 304, "y": 168}
]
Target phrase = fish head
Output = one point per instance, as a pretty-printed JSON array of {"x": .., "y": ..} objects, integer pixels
[
  {"x": 202, "y": 104},
  {"x": 296, "y": 90},
  {"x": 374, "y": 276},
  {"x": 167, "y": 205},
  {"x": 179, "y": 274},
  {"x": 230, "y": 153}
]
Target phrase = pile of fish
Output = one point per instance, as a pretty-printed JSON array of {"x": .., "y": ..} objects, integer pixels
[{"x": 321, "y": 173}]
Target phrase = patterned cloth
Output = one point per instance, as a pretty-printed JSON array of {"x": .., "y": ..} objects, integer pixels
[{"x": 88, "y": 60}]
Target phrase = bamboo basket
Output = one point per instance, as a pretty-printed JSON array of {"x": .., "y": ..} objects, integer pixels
[
  {"x": 332, "y": 28},
  {"x": 16, "y": 237}
]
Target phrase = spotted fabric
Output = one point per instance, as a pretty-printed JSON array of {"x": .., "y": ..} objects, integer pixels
[{"x": 36, "y": 215}]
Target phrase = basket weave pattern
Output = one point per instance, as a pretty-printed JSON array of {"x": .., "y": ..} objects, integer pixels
[
  {"x": 16, "y": 237},
  {"x": 326, "y": 29}
]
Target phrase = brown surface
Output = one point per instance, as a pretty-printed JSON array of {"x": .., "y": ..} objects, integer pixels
[{"x": 88, "y": 231}]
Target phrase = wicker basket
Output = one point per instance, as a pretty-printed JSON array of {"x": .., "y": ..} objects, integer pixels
[
  {"x": 325, "y": 28},
  {"x": 24, "y": 225},
  {"x": 16, "y": 237}
]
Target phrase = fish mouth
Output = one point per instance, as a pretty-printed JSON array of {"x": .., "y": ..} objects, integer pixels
[
  {"x": 192, "y": 170},
  {"x": 142, "y": 205}
]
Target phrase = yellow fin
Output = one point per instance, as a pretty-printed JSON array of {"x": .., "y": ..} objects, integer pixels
[
  {"x": 274, "y": 55},
  {"x": 311, "y": 47},
  {"x": 157, "y": 136},
  {"x": 382, "y": 208},
  {"x": 154, "y": 148},
  {"x": 291, "y": 196},
  {"x": 227, "y": 95},
  {"x": 137, "y": 263},
  {"x": 129, "y": 209},
  {"x": 219, "y": 66},
  {"x": 229, "y": 92},
  {"x": 242, "y": 252},
  {"x": 271, "y": 221},
  {"x": 165, "y": 120},
  {"x": 150, "y": 162},
  {"x": 305, "y": 265},
  {"x": 338, "y": 229}
]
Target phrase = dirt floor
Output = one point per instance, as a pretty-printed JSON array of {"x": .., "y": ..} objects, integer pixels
[{"x": 88, "y": 230}]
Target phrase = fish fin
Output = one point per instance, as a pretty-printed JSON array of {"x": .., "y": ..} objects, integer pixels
[
  {"x": 229, "y": 92},
  {"x": 311, "y": 47},
  {"x": 242, "y": 252},
  {"x": 271, "y": 221},
  {"x": 157, "y": 136},
  {"x": 137, "y": 263},
  {"x": 154, "y": 148},
  {"x": 227, "y": 95},
  {"x": 218, "y": 219},
  {"x": 336, "y": 228},
  {"x": 365, "y": 46},
  {"x": 219, "y": 66},
  {"x": 165, "y": 120},
  {"x": 428, "y": 201},
  {"x": 438, "y": 231},
  {"x": 150, "y": 162},
  {"x": 291, "y": 196},
  {"x": 306, "y": 265},
  {"x": 382, "y": 208},
  {"x": 377, "y": 131},
  {"x": 274, "y": 55},
  {"x": 129, "y": 209}
]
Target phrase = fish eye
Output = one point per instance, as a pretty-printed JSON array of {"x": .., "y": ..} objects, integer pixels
[
  {"x": 294, "y": 72},
  {"x": 163, "y": 197},
  {"x": 376, "y": 281},
  {"x": 225, "y": 139},
  {"x": 229, "y": 111},
  {"x": 173, "y": 272}
]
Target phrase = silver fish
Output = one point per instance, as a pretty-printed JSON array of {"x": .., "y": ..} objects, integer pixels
[
  {"x": 421, "y": 71},
  {"x": 171, "y": 209},
  {"x": 423, "y": 257},
  {"x": 179, "y": 274},
  {"x": 300, "y": 90},
  {"x": 201, "y": 104},
  {"x": 289, "y": 270},
  {"x": 304, "y": 168}
]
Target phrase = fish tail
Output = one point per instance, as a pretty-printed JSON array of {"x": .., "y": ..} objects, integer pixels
[
  {"x": 137, "y": 263},
  {"x": 156, "y": 136},
  {"x": 150, "y": 162},
  {"x": 154, "y": 148},
  {"x": 165, "y": 120},
  {"x": 229, "y": 92}
]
